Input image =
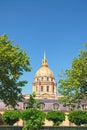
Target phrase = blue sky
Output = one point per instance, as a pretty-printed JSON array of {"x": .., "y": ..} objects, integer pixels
[{"x": 58, "y": 27}]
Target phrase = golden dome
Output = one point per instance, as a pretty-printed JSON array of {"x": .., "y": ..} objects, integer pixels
[{"x": 44, "y": 70}]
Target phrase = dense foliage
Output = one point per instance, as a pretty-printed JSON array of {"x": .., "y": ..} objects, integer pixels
[
  {"x": 33, "y": 118},
  {"x": 11, "y": 116},
  {"x": 33, "y": 103},
  {"x": 56, "y": 116},
  {"x": 13, "y": 62},
  {"x": 78, "y": 117},
  {"x": 73, "y": 85}
]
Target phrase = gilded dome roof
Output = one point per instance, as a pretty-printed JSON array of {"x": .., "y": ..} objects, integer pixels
[{"x": 44, "y": 70}]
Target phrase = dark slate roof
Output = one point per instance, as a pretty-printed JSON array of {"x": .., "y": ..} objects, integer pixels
[
  {"x": 48, "y": 100},
  {"x": 3, "y": 107},
  {"x": 49, "y": 105}
]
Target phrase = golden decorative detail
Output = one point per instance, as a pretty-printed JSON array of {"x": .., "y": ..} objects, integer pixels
[
  {"x": 44, "y": 61},
  {"x": 44, "y": 70}
]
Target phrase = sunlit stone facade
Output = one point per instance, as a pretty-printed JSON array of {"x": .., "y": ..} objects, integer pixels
[{"x": 44, "y": 84}]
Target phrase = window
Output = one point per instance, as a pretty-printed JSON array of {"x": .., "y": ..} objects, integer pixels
[
  {"x": 10, "y": 107},
  {"x": 47, "y": 78},
  {"x": 55, "y": 106},
  {"x": 84, "y": 106},
  {"x": 51, "y": 79},
  {"x": 42, "y": 106},
  {"x": 25, "y": 106},
  {"x": 47, "y": 88},
  {"x": 42, "y": 78},
  {"x": 53, "y": 89},
  {"x": 41, "y": 88}
]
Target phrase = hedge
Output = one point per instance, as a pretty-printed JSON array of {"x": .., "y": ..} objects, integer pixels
[{"x": 44, "y": 128}]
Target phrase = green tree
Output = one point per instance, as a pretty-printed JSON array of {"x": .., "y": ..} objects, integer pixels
[
  {"x": 33, "y": 103},
  {"x": 56, "y": 116},
  {"x": 73, "y": 85},
  {"x": 13, "y": 62},
  {"x": 78, "y": 117},
  {"x": 33, "y": 118},
  {"x": 11, "y": 116}
]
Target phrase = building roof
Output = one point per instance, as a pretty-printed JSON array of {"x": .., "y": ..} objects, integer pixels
[{"x": 44, "y": 70}]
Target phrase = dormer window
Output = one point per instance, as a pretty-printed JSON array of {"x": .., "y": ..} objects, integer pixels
[
  {"x": 42, "y": 106},
  {"x": 25, "y": 106},
  {"x": 55, "y": 106},
  {"x": 84, "y": 106}
]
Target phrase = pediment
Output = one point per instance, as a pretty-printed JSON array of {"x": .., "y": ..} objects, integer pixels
[{"x": 45, "y": 95}]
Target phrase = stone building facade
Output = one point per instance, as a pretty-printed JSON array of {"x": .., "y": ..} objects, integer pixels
[{"x": 44, "y": 84}]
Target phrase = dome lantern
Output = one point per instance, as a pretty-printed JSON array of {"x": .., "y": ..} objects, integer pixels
[{"x": 44, "y": 61}]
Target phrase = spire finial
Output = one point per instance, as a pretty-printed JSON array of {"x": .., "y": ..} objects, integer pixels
[
  {"x": 44, "y": 55},
  {"x": 44, "y": 61}
]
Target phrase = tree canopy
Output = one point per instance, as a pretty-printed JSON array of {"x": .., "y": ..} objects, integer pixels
[
  {"x": 78, "y": 117},
  {"x": 13, "y": 62},
  {"x": 73, "y": 85},
  {"x": 33, "y": 103},
  {"x": 33, "y": 118},
  {"x": 11, "y": 116},
  {"x": 56, "y": 116}
]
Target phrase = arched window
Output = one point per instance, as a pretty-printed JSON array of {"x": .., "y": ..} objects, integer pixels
[
  {"x": 47, "y": 79},
  {"x": 55, "y": 106},
  {"x": 25, "y": 106},
  {"x": 51, "y": 79},
  {"x": 84, "y": 106},
  {"x": 53, "y": 89},
  {"x": 41, "y": 88},
  {"x": 47, "y": 88},
  {"x": 42, "y": 106},
  {"x": 42, "y": 78}
]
